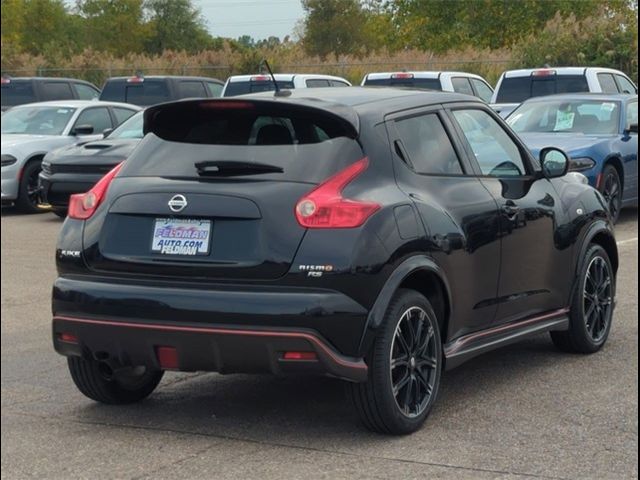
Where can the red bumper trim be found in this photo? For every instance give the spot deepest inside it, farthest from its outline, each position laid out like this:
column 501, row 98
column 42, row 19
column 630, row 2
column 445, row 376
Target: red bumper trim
column 319, row 344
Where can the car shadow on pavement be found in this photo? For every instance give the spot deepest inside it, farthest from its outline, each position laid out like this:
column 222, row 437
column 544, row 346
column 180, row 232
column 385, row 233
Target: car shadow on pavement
column 288, row 409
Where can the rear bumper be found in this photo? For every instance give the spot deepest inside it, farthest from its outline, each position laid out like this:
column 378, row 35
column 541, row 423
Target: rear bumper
column 225, row 329
column 204, row 348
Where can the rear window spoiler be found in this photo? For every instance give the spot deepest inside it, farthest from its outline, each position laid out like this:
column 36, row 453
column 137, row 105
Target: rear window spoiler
column 165, row 119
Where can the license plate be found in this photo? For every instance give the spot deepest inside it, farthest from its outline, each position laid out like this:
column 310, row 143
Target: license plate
column 178, row 236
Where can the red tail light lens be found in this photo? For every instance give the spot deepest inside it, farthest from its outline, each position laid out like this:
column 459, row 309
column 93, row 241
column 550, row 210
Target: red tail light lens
column 83, row 205
column 325, row 207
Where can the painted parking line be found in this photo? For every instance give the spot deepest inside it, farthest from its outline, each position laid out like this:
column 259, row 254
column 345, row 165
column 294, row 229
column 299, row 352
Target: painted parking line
column 627, row 241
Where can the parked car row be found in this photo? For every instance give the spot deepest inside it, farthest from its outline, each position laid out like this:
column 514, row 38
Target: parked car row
column 613, row 171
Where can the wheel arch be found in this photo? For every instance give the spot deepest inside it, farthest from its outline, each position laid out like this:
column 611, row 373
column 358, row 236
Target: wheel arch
column 419, row 273
column 601, row 234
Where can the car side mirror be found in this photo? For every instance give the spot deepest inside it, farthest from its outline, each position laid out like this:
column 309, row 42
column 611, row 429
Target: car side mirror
column 106, row 132
column 82, row 130
column 555, row 163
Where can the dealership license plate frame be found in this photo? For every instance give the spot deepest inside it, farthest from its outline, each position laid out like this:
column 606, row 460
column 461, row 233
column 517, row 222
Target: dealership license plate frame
column 175, row 224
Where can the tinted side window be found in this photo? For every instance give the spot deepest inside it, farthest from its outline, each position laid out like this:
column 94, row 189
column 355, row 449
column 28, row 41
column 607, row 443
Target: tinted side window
column 215, row 89
column 428, row 145
column 462, row 85
column 86, row 92
column 625, row 85
column 483, row 90
column 607, row 83
column 56, row 91
column 122, row 114
column 98, row 118
column 191, row 89
column 317, row 83
column 338, row 83
column 18, row 93
column 496, row 153
column 632, row 114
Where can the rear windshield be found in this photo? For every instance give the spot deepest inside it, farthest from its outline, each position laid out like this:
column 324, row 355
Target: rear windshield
column 147, row 92
column 425, row 83
column 294, row 144
column 518, row 89
column 18, row 92
column 242, row 88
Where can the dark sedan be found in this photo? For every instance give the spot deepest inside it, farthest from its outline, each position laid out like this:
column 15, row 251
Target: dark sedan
column 77, row 168
column 598, row 131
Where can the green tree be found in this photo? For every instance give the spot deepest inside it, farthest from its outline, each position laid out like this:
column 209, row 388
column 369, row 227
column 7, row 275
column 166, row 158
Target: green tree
column 176, row 25
column 115, row 26
column 334, row 27
column 12, row 23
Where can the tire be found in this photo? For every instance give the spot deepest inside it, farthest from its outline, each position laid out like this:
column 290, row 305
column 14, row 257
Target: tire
column 611, row 189
column 375, row 402
column 28, row 196
column 99, row 384
column 591, row 312
column 61, row 213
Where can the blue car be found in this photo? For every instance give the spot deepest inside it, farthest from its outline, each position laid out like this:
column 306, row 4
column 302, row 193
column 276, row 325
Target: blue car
column 599, row 132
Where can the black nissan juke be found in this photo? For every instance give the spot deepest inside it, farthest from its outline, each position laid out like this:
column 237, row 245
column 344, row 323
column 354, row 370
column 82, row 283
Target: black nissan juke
column 380, row 236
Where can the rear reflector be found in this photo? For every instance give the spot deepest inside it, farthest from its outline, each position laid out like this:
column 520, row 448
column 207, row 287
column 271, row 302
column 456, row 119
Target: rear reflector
column 167, row 358
column 325, row 207
column 402, row 75
column 68, row 337
column 300, row 356
column 543, row 73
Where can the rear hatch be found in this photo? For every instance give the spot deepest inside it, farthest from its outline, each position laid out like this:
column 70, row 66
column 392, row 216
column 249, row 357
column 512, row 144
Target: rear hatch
column 210, row 191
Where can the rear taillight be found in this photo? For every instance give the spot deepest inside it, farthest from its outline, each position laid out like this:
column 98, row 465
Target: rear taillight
column 83, row 205
column 325, row 207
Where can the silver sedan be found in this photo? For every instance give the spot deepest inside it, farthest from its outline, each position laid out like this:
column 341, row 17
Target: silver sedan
column 30, row 131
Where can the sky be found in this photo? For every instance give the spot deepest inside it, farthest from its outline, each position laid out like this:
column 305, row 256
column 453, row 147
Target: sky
column 257, row 18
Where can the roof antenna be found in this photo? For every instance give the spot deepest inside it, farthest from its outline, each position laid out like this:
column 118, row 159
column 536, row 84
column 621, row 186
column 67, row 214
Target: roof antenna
column 278, row 92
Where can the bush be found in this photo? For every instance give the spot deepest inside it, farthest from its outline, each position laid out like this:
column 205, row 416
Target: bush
column 606, row 40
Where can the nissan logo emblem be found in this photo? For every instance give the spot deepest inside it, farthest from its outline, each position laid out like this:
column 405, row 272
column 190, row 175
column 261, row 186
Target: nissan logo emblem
column 177, row 203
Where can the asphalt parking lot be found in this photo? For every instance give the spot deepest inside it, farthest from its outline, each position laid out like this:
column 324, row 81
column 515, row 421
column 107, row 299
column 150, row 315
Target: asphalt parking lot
column 523, row 411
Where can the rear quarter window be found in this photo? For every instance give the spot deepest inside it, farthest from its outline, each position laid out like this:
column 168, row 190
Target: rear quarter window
column 56, row 91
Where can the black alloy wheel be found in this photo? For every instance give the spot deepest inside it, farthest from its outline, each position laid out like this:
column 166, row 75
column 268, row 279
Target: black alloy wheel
column 591, row 312
column 611, row 189
column 405, row 365
column 598, row 298
column 29, row 193
column 413, row 362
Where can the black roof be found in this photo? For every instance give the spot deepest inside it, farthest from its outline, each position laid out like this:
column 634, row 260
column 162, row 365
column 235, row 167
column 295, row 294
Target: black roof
column 348, row 104
column 368, row 102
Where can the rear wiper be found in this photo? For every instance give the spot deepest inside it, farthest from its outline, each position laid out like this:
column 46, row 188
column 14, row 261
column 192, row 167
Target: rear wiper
column 231, row 169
